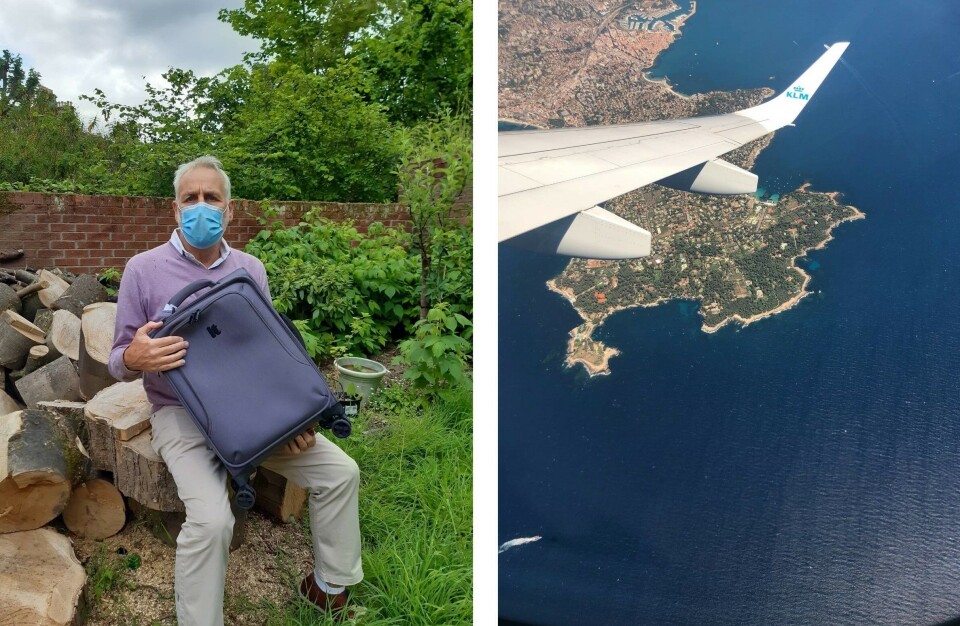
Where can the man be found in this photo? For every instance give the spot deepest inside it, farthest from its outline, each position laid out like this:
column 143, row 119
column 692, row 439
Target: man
column 196, row 250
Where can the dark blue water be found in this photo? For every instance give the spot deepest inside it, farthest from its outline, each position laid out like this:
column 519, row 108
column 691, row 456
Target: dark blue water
column 805, row 469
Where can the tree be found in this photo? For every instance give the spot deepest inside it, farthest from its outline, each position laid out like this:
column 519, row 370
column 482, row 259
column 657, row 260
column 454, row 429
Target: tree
column 436, row 167
column 17, row 88
column 313, row 34
column 422, row 60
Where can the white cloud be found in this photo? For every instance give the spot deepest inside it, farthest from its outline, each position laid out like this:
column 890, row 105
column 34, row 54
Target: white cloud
column 118, row 45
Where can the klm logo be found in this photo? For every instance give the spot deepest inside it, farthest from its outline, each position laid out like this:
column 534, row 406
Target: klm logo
column 797, row 94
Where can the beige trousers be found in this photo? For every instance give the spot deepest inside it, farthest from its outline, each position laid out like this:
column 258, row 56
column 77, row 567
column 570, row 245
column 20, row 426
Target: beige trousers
column 325, row 471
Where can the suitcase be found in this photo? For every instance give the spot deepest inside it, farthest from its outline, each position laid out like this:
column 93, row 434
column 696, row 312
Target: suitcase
column 247, row 381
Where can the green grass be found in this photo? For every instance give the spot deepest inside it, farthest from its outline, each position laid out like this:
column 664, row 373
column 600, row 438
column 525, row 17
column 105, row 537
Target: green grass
column 416, row 515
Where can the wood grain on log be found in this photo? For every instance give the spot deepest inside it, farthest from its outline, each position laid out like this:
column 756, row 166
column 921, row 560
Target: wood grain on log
column 17, row 336
column 10, row 255
column 96, row 510
column 53, row 288
column 118, row 413
column 86, row 289
column 142, row 475
column 34, row 483
column 41, row 580
column 96, row 340
column 64, row 335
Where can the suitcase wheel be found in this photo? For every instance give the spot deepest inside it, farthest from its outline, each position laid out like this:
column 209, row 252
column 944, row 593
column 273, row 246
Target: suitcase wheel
column 246, row 496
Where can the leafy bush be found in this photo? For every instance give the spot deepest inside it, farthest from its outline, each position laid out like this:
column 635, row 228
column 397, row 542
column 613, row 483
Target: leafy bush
column 438, row 354
column 353, row 293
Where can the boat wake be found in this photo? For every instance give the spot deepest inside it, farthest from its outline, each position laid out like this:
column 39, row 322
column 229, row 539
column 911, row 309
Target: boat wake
column 519, row 541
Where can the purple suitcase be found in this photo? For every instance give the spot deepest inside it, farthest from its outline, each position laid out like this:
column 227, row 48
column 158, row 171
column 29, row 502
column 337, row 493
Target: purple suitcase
column 247, row 382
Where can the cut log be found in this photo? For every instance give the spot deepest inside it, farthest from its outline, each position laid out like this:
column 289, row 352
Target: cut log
column 96, row 510
column 54, row 381
column 118, row 413
column 9, row 300
column 36, row 358
column 142, row 475
column 53, row 288
column 278, row 497
column 34, row 483
column 41, row 580
column 7, row 404
column 17, row 336
column 64, row 335
column 86, row 289
column 96, row 340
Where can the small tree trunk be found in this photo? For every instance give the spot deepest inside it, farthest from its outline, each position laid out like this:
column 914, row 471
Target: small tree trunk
column 17, row 336
column 424, row 273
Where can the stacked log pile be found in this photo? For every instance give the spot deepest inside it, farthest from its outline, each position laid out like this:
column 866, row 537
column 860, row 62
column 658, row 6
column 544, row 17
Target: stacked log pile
column 75, row 445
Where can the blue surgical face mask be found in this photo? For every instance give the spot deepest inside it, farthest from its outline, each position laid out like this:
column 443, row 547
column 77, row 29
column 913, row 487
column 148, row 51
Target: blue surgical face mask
column 201, row 224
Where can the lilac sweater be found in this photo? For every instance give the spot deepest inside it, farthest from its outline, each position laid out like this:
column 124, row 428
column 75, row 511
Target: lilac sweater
column 149, row 280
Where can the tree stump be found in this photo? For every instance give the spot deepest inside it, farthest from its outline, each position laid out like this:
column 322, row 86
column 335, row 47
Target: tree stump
column 96, row 340
column 17, row 336
column 55, row 381
column 118, row 413
column 41, row 580
column 143, row 476
column 64, row 335
column 34, row 477
column 95, row 510
column 86, row 289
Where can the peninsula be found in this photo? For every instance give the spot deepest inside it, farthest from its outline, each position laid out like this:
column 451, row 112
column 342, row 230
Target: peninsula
column 583, row 62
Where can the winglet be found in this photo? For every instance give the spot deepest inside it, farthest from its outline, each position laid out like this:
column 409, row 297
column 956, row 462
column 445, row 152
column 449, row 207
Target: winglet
column 785, row 108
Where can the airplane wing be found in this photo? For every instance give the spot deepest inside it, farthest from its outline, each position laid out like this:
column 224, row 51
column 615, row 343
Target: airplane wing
column 550, row 181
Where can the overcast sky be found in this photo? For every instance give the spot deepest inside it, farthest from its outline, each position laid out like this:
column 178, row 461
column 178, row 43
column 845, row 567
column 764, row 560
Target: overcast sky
column 118, row 45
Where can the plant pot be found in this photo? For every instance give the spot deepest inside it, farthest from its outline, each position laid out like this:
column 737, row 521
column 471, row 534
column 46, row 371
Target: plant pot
column 359, row 383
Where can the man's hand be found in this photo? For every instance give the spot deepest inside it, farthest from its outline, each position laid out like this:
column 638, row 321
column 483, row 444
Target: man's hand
column 154, row 355
column 301, row 442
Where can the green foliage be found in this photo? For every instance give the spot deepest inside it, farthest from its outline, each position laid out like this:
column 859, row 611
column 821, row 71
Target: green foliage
column 110, row 278
column 422, row 59
column 311, row 137
column 437, row 356
column 350, row 292
column 314, row 34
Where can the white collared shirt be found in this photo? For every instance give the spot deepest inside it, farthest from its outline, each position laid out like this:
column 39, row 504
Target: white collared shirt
column 224, row 250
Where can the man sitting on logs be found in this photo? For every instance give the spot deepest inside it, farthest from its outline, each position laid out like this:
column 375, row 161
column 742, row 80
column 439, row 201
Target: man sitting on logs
column 196, row 250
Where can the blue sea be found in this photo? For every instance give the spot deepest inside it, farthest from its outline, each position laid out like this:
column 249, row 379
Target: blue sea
column 802, row 470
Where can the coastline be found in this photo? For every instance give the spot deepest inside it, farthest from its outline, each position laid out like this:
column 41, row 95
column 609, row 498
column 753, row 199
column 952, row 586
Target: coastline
column 601, row 365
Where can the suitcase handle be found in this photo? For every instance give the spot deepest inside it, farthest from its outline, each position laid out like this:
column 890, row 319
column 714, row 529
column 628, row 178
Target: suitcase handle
column 182, row 295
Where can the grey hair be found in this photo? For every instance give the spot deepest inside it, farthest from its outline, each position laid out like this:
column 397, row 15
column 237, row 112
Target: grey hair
column 205, row 161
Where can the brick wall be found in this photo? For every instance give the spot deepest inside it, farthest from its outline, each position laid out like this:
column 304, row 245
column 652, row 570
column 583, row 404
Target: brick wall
column 88, row 233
